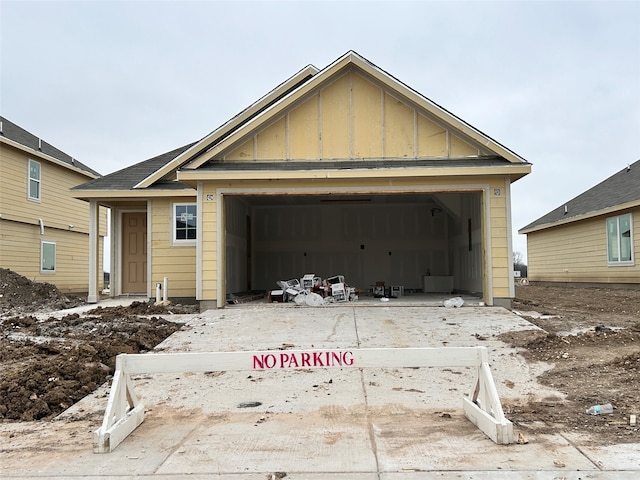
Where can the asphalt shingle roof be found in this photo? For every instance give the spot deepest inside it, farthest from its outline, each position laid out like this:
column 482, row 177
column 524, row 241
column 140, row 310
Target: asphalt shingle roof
column 19, row 135
column 128, row 177
column 622, row 187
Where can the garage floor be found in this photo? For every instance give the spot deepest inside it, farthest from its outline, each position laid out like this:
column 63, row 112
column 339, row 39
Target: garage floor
column 316, row 424
column 409, row 299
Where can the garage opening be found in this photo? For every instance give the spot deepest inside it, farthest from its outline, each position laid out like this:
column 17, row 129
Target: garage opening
column 399, row 239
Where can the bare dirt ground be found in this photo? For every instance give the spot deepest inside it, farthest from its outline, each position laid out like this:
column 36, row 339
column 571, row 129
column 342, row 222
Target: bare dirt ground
column 591, row 336
column 46, row 365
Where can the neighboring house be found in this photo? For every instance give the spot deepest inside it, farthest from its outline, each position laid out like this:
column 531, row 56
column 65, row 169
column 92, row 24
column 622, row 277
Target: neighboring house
column 339, row 171
column 44, row 231
column 592, row 239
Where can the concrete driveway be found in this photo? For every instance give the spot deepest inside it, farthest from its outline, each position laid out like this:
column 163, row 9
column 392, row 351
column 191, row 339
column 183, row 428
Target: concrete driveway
column 367, row 424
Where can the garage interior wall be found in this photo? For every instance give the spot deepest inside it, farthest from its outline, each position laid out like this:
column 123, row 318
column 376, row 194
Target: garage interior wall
column 237, row 232
column 366, row 239
column 466, row 245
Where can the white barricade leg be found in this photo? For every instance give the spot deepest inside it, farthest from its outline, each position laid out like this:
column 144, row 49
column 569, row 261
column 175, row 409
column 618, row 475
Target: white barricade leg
column 123, row 413
column 484, row 408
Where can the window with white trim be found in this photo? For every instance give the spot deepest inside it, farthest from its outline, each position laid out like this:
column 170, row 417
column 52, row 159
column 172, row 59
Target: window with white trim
column 620, row 240
column 185, row 222
column 34, row 180
column 47, row 257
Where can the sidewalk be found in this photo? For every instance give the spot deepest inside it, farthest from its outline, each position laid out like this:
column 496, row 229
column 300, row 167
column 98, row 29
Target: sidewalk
column 391, row 424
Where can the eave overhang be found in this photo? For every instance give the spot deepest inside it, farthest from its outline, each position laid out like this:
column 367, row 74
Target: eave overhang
column 577, row 218
column 514, row 171
column 48, row 158
column 132, row 194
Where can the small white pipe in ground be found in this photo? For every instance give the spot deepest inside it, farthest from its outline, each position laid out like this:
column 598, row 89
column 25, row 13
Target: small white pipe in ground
column 165, row 294
column 158, row 288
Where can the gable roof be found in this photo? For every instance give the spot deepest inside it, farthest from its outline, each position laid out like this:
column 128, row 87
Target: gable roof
column 14, row 135
column 618, row 192
column 157, row 171
column 211, row 146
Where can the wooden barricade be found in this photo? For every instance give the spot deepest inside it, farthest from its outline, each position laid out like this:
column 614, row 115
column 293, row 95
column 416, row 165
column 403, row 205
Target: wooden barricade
column 125, row 412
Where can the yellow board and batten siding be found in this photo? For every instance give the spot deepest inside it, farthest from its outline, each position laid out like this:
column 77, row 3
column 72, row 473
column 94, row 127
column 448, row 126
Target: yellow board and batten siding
column 351, row 118
column 65, row 220
column 304, row 131
column 577, row 252
column 335, row 119
column 367, row 124
column 432, row 138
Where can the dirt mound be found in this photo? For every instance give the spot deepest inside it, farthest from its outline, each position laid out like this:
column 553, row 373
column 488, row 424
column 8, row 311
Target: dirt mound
column 48, row 365
column 142, row 308
column 18, row 294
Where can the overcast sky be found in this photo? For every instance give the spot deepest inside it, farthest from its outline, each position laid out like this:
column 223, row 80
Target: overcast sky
column 113, row 83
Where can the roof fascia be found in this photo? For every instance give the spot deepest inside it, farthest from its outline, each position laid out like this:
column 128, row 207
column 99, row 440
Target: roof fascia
column 578, row 218
column 515, row 170
column 233, row 123
column 46, row 157
column 137, row 194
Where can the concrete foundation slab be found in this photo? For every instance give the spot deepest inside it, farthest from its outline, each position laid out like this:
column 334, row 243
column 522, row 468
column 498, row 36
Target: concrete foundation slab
column 253, row 443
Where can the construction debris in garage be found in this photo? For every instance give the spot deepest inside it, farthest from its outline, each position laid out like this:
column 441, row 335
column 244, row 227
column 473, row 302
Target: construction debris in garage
column 313, row 290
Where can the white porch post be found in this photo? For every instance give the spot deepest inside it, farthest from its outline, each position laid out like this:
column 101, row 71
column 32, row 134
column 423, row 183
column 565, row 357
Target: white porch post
column 93, row 252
